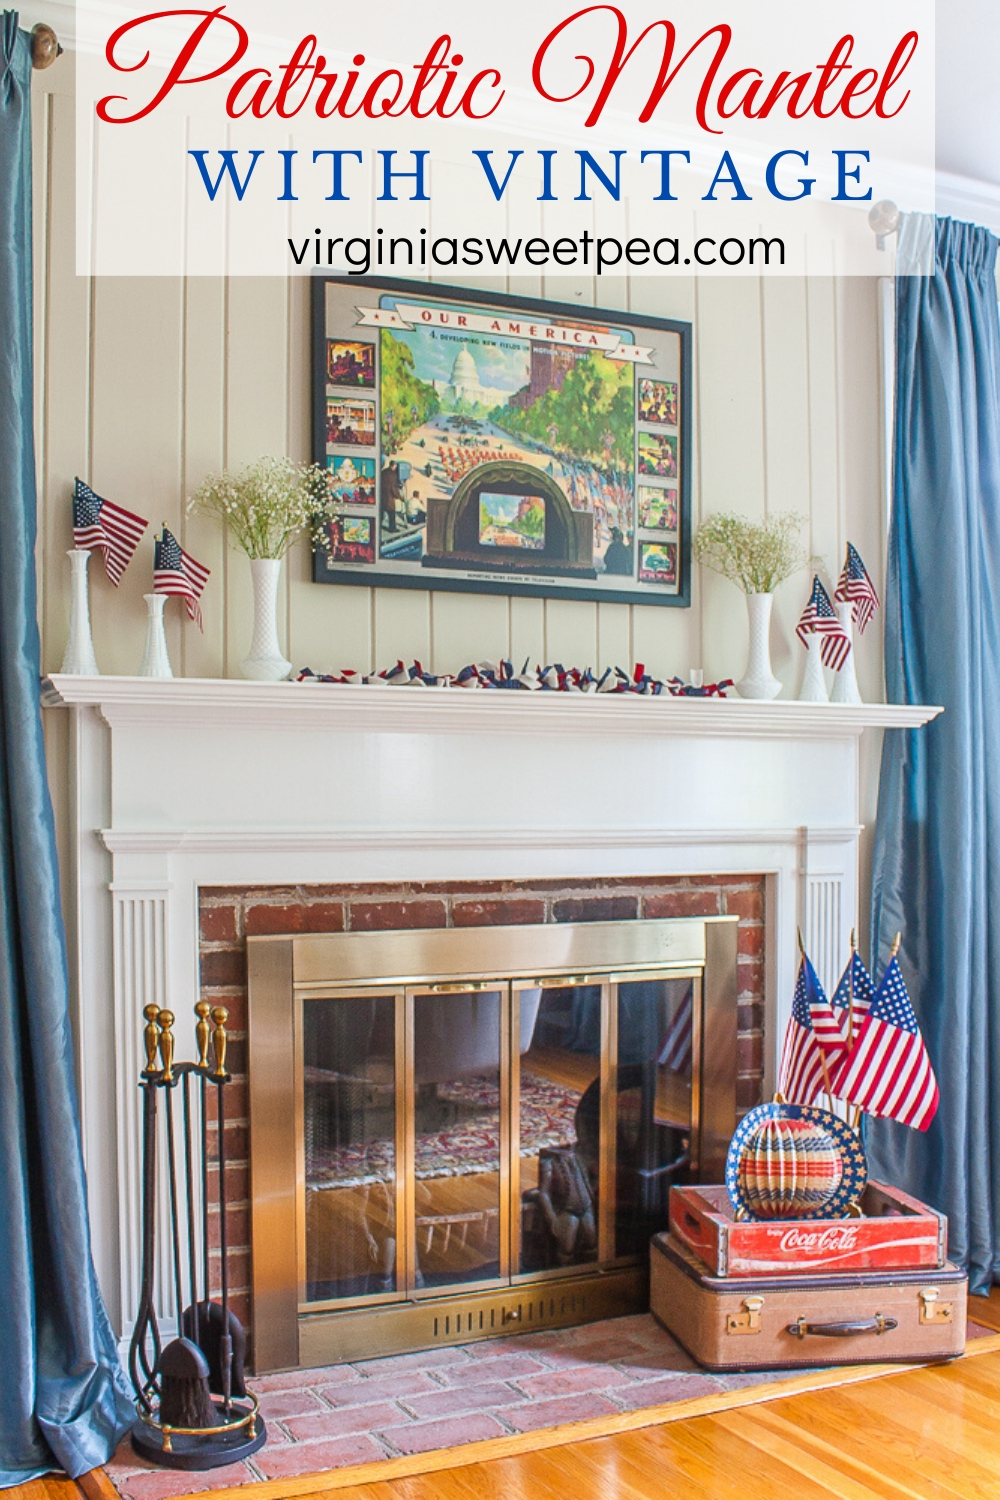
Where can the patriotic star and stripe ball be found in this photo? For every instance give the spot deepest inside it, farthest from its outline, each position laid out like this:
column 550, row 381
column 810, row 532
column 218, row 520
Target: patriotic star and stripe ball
column 177, row 572
column 794, row 1150
column 855, row 585
column 813, row 1041
column 888, row 1072
column 101, row 526
column 820, row 618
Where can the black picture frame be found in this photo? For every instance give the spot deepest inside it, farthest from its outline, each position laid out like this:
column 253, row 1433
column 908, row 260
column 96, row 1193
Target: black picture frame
column 518, row 526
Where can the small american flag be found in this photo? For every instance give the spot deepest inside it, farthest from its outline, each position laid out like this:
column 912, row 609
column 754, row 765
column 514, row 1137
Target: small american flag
column 675, row 1052
column 176, row 572
column 100, row 525
column 854, row 993
column 813, row 1040
column 820, row 617
column 888, row 1072
column 855, row 585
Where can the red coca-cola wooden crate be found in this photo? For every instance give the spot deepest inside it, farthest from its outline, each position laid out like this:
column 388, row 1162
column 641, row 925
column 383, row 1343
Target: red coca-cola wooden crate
column 895, row 1232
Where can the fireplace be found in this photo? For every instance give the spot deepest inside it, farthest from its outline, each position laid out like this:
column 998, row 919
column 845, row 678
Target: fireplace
column 461, row 1133
column 229, row 801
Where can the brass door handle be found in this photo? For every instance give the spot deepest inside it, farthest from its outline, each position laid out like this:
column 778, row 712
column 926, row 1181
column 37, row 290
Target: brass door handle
column 876, row 1325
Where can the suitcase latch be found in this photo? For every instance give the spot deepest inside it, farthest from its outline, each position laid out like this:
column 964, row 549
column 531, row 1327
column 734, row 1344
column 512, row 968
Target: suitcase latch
column 932, row 1310
column 747, row 1321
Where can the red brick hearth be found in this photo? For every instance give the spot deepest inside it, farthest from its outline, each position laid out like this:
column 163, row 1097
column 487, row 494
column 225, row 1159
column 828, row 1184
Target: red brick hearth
column 229, row 915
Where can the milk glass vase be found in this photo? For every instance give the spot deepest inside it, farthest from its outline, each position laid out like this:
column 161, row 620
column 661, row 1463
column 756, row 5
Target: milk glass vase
column 758, row 681
column 79, row 659
column 265, row 507
column 265, row 662
column 756, row 556
column 845, row 687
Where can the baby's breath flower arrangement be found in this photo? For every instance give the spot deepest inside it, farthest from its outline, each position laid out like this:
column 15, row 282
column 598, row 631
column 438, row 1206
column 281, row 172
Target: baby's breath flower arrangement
column 755, row 555
column 266, row 505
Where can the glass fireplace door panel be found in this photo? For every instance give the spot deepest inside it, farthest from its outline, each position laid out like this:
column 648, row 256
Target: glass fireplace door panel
column 458, row 1137
column 350, row 1050
column 656, row 1022
column 559, row 1126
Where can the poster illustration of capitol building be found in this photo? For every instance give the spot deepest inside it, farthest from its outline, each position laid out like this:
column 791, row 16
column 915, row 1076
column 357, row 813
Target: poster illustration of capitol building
column 510, row 447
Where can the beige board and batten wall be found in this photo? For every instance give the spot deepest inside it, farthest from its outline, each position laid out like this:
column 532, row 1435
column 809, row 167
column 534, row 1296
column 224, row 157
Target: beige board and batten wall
column 144, row 385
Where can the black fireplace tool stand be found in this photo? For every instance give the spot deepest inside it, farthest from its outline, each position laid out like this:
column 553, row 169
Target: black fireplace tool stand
column 194, row 1410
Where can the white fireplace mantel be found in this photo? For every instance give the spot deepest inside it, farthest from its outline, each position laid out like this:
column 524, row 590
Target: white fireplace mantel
column 185, row 783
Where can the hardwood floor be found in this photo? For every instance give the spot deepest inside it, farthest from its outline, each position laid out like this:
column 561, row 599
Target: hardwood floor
column 931, row 1433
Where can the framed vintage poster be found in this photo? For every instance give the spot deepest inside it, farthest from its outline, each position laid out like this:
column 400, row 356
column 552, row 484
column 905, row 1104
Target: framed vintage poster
column 486, row 443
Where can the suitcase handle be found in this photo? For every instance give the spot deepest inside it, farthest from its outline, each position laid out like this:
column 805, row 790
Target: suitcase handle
column 876, row 1325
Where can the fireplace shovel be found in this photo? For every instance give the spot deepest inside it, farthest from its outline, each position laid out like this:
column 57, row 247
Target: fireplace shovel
column 215, row 1329
column 207, row 1326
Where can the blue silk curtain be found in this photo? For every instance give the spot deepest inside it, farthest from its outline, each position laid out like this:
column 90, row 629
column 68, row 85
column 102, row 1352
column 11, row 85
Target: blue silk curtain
column 63, row 1398
column 936, row 875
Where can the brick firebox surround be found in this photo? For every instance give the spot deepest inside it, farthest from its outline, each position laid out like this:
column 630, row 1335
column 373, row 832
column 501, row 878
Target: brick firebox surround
column 229, row 915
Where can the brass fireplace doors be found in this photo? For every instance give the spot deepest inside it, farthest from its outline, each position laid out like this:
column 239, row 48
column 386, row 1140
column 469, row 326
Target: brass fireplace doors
column 425, row 1135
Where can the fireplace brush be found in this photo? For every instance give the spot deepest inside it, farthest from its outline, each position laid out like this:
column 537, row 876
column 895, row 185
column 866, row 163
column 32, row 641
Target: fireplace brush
column 179, row 1424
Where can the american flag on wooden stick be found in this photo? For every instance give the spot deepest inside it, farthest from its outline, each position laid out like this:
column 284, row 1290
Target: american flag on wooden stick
column 814, row 1045
column 854, row 584
column 675, row 1051
column 820, row 618
column 854, row 994
column 176, row 572
column 888, row 1071
column 100, row 525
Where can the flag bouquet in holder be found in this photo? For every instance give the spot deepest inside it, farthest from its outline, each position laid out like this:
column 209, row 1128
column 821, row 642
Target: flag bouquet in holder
column 99, row 525
column 795, row 1158
column 865, row 1048
column 855, row 601
column 174, row 572
column 826, row 641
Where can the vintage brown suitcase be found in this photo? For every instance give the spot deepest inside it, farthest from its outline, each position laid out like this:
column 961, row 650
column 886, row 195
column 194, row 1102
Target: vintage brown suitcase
column 789, row 1322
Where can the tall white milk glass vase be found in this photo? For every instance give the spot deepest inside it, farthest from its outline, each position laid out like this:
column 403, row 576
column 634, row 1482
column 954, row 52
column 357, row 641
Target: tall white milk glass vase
column 845, row 685
column 155, row 657
column 79, row 660
column 758, row 680
column 265, row 662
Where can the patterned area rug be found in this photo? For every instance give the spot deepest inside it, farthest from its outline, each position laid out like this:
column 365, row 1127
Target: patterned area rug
column 469, row 1144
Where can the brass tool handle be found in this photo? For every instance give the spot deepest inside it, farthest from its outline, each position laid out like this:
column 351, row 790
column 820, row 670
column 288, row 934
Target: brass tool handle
column 876, row 1325
column 202, row 1031
column 166, row 1021
column 151, row 1036
column 220, row 1016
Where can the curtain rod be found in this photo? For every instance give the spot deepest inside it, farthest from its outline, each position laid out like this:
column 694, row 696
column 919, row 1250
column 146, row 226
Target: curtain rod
column 884, row 219
column 45, row 46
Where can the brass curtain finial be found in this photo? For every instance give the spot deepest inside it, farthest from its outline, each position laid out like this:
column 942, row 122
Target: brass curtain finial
column 166, row 1020
column 220, row 1016
column 202, row 1031
column 151, row 1036
column 45, row 46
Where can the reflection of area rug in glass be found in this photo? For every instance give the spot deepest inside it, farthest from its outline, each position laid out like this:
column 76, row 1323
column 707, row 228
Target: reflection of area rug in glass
column 471, row 1144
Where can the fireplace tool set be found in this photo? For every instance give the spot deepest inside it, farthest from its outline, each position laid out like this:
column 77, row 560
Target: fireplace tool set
column 179, row 1424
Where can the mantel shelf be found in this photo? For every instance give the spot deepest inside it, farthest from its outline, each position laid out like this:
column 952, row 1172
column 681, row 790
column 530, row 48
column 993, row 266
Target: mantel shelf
column 193, row 701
